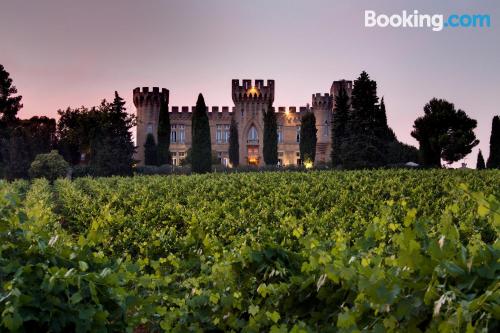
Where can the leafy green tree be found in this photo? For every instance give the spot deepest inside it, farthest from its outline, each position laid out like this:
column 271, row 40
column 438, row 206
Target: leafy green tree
column 201, row 150
column 9, row 104
column 494, row 158
column 50, row 166
column 234, row 147
column 339, row 125
column 270, row 148
column 444, row 133
column 164, row 129
column 308, row 137
column 150, row 151
column 480, row 161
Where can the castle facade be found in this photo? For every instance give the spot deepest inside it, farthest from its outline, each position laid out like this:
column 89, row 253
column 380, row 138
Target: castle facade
column 250, row 100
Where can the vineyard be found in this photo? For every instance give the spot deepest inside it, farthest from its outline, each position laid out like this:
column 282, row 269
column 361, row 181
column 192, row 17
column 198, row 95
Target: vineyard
column 322, row 251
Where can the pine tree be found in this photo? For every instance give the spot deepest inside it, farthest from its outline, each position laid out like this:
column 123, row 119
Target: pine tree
column 150, row 151
column 480, row 161
column 270, row 149
column 9, row 105
column 234, row 147
column 339, row 124
column 111, row 144
column 362, row 147
column 494, row 158
column 308, row 137
column 201, row 151
column 164, row 134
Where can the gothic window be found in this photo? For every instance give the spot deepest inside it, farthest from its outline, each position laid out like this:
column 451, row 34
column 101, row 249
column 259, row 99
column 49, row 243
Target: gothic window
column 298, row 134
column 150, row 128
column 326, row 131
column 252, row 135
column 280, row 134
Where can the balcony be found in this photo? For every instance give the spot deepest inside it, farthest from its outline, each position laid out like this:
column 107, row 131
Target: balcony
column 253, row 141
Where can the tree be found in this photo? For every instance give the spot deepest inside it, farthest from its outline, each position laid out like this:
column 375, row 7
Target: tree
column 444, row 133
column 201, row 150
column 150, row 151
column 494, row 158
column 382, row 129
column 480, row 161
column 50, row 166
column 163, row 147
column 102, row 133
column 270, row 149
column 339, row 125
column 362, row 146
column 234, row 147
column 308, row 137
column 16, row 156
column 112, row 148
column 9, row 105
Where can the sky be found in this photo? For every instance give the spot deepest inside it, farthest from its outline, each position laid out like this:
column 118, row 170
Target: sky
column 64, row 53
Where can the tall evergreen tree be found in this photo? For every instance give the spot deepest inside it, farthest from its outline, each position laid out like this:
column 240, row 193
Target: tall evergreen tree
column 494, row 158
column 339, row 125
column 164, row 134
column 480, row 161
column 444, row 133
column 150, row 151
column 112, row 148
column 201, row 150
column 308, row 137
column 9, row 104
column 270, row 149
column 362, row 147
column 382, row 129
column 234, row 147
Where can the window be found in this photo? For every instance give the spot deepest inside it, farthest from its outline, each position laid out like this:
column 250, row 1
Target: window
column 326, row 132
column 280, row 134
column 252, row 135
column 150, row 128
column 182, row 134
column 226, row 133
column 298, row 134
column 173, row 133
column 218, row 134
column 219, row 156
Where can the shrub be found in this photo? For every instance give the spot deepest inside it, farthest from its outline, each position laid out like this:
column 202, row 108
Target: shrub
column 50, row 166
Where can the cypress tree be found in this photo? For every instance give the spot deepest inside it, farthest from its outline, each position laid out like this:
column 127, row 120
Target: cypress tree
column 480, row 161
column 150, row 151
column 163, row 147
column 201, row 151
column 494, row 158
column 234, row 147
column 382, row 129
column 308, row 137
column 270, row 149
column 339, row 124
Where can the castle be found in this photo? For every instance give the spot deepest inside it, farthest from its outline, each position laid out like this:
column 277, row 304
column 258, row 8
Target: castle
column 250, row 100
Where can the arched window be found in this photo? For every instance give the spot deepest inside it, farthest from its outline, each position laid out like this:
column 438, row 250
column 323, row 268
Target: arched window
column 252, row 135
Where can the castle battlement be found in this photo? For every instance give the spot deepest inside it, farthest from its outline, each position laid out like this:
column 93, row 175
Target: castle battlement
column 146, row 97
column 190, row 109
column 337, row 85
column 258, row 92
column 324, row 101
column 292, row 109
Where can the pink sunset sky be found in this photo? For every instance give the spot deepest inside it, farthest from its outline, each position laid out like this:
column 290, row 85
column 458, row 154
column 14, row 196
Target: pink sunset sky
column 72, row 53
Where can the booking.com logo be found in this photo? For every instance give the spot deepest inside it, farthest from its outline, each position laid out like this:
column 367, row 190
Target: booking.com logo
column 436, row 22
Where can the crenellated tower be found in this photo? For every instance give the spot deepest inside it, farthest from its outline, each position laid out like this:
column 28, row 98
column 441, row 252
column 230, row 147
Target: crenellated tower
column 250, row 100
column 147, row 103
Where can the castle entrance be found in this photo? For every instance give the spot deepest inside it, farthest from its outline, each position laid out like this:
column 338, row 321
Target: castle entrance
column 253, row 155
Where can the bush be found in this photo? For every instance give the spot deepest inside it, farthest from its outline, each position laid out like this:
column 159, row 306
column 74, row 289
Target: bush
column 50, row 166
